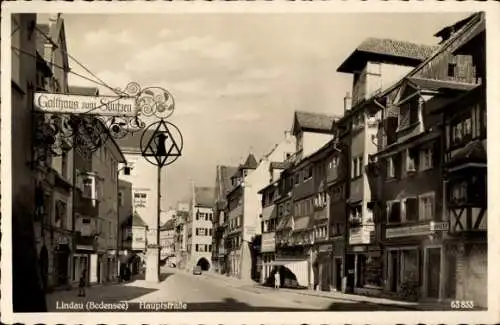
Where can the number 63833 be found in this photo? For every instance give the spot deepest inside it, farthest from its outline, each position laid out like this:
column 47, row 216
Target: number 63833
column 462, row 304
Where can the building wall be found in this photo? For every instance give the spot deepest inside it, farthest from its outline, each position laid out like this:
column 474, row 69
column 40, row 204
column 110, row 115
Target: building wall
column 105, row 164
column 143, row 177
column 312, row 142
column 198, row 239
column 22, row 189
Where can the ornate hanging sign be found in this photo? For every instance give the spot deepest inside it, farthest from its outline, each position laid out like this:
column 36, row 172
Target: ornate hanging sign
column 161, row 143
column 65, row 121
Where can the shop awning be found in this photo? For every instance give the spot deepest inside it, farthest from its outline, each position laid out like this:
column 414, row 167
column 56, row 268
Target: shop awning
column 269, row 212
column 301, row 223
column 287, row 262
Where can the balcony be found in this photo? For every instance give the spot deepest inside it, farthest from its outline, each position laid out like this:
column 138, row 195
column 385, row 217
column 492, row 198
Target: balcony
column 86, row 206
column 362, row 235
column 426, row 228
column 86, row 242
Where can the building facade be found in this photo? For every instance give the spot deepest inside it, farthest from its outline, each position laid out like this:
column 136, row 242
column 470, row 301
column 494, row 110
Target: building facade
column 199, row 235
column 55, row 186
column 222, row 187
column 433, row 227
column 167, row 240
column 376, row 64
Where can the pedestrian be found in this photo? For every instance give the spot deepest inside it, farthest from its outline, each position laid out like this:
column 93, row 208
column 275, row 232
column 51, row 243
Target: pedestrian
column 83, row 282
column 277, row 280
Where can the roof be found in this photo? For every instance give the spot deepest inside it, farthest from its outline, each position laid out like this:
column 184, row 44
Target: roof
column 277, row 165
column 204, row 196
column 132, row 141
column 447, row 31
column 386, row 50
column 135, row 220
column 439, row 85
column 84, row 91
column 224, row 174
column 459, row 37
column 168, row 225
column 315, row 122
column 250, row 163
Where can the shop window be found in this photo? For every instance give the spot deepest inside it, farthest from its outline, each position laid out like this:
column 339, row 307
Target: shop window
column 409, row 265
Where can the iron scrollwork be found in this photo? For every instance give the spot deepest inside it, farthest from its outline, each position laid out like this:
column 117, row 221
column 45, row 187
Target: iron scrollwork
column 55, row 133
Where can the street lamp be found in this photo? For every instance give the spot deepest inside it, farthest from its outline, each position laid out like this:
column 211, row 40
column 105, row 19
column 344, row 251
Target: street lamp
column 161, row 148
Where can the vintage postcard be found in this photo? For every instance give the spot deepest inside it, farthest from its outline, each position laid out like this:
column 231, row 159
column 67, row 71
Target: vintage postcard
column 249, row 162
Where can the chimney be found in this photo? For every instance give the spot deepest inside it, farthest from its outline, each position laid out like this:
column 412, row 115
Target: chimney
column 347, row 102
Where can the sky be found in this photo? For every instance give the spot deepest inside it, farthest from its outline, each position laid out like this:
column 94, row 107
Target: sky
column 236, row 78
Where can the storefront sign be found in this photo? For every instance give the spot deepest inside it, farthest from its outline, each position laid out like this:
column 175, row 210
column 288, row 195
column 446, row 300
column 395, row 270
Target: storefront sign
column 419, row 230
column 439, row 226
column 268, row 242
column 95, row 105
column 325, row 248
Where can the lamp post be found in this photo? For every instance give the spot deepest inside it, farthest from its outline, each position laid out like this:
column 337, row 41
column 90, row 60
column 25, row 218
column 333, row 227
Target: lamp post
column 160, row 147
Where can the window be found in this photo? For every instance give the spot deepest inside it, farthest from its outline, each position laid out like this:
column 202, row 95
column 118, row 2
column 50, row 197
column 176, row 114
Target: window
column 394, row 212
column 451, row 69
column 196, row 248
column 391, row 171
column 461, row 131
column 410, row 161
column 64, row 165
column 458, row 192
column 411, row 209
column 426, row 157
column 140, row 199
column 197, row 216
column 297, row 178
column 426, row 209
column 333, row 163
column 120, row 199
column 357, row 167
column 308, row 173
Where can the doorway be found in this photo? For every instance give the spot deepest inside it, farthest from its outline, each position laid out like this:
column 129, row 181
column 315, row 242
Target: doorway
column 350, row 272
column 433, row 271
column 394, row 265
column 338, row 274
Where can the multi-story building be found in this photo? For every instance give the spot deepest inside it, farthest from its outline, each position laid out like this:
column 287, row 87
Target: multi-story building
column 296, row 209
column 55, row 229
column 222, row 187
column 86, row 211
column 269, row 220
column 25, row 251
column 134, row 242
column 375, row 64
column 417, row 146
column 199, row 235
column 465, row 167
column 145, row 193
column 233, row 223
column 105, row 176
column 180, row 236
column 167, row 239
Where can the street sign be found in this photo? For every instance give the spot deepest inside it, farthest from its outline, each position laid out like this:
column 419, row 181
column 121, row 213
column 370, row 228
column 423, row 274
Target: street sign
column 76, row 104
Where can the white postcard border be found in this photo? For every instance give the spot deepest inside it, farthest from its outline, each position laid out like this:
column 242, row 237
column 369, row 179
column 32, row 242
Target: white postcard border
column 381, row 317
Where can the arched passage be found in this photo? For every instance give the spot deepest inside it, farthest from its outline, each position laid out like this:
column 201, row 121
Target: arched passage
column 204, row 264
